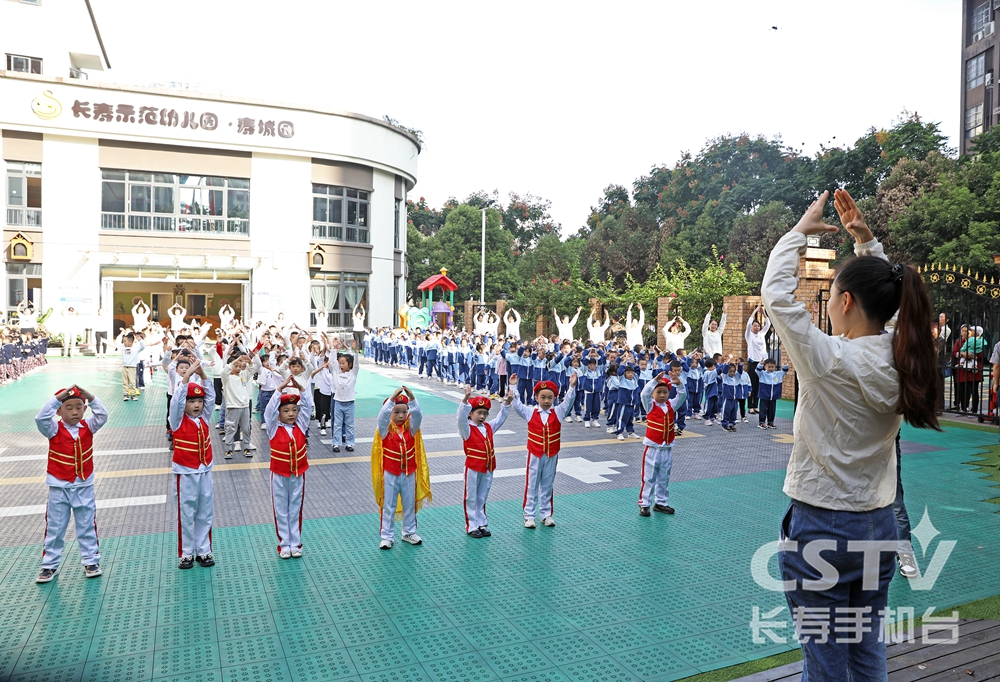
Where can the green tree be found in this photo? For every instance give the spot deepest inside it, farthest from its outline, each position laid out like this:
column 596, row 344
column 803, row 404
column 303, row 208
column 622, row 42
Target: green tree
column 754, row 236
column 456, row 246
column 424, row 218
column 623, row 239
column 419, row 252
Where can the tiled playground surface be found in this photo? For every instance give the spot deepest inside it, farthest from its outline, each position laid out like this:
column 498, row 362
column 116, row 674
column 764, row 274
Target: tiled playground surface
column 605, row 595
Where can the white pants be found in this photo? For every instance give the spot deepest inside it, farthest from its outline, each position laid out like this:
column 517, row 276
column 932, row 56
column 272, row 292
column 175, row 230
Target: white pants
column 538, row 479
column 477, row 488
column 80, row 502
column 195, row 512
column 656, row 463
column 406, row 488
column 286, row 501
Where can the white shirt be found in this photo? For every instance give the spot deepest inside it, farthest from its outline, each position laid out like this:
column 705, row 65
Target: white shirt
column 674, row 342
column 844, row 453
column 344, row 382
column 756, row 348
column 712, row 341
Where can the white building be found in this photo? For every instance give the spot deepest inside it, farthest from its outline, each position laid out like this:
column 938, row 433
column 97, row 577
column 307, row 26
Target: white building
column 115, row 193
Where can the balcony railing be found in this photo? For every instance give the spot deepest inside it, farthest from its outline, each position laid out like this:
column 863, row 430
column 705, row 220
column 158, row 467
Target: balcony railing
column 336, row 232
column 24, row 217
column 153, row 223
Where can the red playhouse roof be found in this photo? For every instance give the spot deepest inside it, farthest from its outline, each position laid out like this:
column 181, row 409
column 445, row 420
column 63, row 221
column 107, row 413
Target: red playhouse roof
column 438, row 281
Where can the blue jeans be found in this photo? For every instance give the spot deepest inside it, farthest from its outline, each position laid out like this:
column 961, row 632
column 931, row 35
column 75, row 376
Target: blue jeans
column 263, row 398
column 899, row 508
column 343, row 423
column 837, row 661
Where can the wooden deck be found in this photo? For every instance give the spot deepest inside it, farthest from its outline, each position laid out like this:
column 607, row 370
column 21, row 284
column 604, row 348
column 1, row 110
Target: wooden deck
column 974, row 658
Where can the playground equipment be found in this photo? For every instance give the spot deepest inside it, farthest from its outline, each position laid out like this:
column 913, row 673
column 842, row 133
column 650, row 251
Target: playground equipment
column 439, row 312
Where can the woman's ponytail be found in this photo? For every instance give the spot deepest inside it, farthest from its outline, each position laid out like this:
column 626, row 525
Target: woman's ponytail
column 883, row 289
column 914, row 352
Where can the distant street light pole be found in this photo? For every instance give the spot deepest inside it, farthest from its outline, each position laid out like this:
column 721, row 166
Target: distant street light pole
column 482, row 262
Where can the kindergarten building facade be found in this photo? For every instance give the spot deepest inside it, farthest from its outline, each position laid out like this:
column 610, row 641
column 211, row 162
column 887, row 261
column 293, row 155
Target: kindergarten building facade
column 115, row 193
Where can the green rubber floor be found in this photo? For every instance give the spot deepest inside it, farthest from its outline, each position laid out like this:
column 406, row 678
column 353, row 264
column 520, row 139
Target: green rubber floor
column 606, row 595
column 104, row 377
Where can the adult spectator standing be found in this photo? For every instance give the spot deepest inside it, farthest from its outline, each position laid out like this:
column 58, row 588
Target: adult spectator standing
column 995, row 360
column 944, row 331
column 711, row 333
column 358, row 316
column 756, row 351
column 970, row 362
column 941, row 354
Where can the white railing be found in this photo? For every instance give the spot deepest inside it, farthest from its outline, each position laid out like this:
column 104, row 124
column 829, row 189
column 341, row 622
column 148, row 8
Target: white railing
column 153, row 223
column 24, row 217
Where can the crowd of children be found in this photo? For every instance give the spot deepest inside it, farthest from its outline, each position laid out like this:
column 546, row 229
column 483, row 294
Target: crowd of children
column 301, row 376
column 20, row 353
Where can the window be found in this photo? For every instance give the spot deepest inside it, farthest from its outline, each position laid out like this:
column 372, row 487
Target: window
column 337, row 293
column 165, row 202
column 24, row 194
column 973, row 121
column 975, row 70
column 340, row 214
column 16, row 62
column 395, row 227
column 980, row 17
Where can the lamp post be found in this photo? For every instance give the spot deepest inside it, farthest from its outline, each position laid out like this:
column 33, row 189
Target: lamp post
column 482, row 261
column 996, row 259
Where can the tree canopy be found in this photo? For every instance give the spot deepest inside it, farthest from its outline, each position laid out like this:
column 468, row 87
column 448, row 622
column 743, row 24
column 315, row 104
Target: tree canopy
column 705, row 227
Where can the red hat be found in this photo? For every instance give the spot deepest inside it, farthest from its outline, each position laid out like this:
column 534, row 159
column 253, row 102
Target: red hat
column 401, row 399
column 289, row 398
column 480, row 402
column 550, row 385
column 72, row 392
column 664, row 381
column 195, row 391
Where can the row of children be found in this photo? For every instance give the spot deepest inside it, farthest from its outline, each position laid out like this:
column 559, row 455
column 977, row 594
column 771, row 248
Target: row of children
column 401, row 481
column 20, row 353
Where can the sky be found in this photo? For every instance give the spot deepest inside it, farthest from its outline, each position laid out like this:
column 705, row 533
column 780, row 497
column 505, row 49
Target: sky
column 561, row 99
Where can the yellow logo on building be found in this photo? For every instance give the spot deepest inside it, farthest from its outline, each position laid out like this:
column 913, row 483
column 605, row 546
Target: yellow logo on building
column 46, row 106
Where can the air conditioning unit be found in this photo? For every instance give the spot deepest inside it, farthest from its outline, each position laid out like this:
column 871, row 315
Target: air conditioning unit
column 988, row 28
column 977, row 36
column 989, row 78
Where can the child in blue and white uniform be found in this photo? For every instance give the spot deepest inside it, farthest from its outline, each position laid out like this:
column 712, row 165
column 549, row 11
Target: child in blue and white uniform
column 710, row 380
column 769, row 391
column 732, row 375
column 628, row 396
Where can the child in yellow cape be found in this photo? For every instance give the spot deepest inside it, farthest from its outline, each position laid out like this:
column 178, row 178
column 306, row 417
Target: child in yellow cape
column 399, row 466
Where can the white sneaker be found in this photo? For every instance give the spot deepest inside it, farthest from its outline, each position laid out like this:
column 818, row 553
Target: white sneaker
column 285, row 554
column 296, row 553
column 385, row 544
column 621, row 436
column 412, row 538
column 322, row 432
column 586, row 424
column 745, row 420
column 263, row 426
column 569, row 420
column 634, row 435
column 547, row 521
column 907, row 565
column 610, row 429
column 579, row 418
column 709, row 422
column 529, row 523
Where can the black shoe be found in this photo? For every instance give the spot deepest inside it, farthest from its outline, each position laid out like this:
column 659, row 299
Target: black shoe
column 663, row 508
column 205, row 560
column 485, row 531
column 643, row 511
column 186, row 562
column 229, row 454
column 349, row 448
column 336, row 448
column 475, row 533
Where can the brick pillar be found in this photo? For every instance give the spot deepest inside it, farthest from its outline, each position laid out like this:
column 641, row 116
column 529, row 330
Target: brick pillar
column 467, row 317
column 737, row 310
column 663, row 308
column 541, row 323
column 501, row 306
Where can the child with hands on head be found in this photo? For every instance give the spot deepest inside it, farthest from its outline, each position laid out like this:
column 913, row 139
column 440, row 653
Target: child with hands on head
column 69, row 474
column 286, row 418
column 657, row 456
column 399, row 466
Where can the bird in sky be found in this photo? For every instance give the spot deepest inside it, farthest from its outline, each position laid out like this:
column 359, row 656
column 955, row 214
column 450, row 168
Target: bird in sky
column 774, row 28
